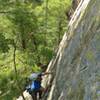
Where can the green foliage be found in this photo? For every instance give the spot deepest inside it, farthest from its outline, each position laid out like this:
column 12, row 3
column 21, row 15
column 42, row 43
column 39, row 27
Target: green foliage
column 3, row 43
column 36, row 27
column 46, row 53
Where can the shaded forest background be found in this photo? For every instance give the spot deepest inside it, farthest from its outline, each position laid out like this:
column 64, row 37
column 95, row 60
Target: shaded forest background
column 30, row 32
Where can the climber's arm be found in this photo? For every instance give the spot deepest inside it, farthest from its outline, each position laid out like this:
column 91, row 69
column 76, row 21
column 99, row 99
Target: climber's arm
column 46, row 73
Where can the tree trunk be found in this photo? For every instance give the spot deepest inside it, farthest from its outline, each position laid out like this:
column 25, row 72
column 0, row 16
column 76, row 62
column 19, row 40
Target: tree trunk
column 23, row 43
column 17, row 81
column 59, row 30
column 46, row 20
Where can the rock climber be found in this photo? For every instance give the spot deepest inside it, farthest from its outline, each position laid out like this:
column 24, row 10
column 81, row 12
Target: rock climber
column 34, row 88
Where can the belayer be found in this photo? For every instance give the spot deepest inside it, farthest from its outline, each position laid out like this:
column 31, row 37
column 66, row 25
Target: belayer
column 34, row 88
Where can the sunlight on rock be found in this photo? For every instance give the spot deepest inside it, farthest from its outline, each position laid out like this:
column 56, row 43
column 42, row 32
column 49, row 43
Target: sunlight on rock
column 26, row 95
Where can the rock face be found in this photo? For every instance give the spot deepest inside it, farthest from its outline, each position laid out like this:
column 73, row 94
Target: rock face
column 77, row 64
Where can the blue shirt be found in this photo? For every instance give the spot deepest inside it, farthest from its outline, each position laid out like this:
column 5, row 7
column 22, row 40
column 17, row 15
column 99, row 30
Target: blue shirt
column 36, row 85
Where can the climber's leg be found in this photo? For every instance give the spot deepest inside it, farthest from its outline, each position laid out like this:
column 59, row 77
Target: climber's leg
column 41, row 92
column 34, row 95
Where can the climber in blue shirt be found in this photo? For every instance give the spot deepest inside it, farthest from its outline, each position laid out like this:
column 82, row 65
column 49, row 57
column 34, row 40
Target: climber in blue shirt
column 35, row 87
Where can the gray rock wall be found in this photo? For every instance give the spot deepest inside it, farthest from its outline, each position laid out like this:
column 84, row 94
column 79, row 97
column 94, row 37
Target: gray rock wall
column 77, row 64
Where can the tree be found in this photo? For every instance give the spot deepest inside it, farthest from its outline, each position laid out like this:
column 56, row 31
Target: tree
column 37, row 26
